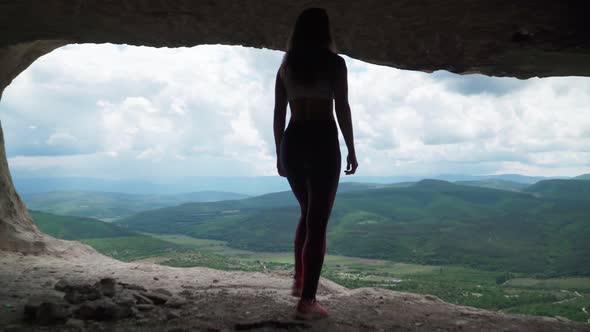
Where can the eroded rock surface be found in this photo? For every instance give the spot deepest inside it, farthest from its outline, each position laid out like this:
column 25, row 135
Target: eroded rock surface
column 202, row 299
column 17, row 232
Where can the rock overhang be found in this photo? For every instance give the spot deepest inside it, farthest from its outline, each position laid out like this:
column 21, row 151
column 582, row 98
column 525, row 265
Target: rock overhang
column 498, row 37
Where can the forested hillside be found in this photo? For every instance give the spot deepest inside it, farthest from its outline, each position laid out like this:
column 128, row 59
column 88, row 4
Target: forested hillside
column 430, row 222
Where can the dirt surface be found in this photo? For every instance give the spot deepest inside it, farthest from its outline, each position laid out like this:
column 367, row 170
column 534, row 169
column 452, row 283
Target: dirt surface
column 228, row 301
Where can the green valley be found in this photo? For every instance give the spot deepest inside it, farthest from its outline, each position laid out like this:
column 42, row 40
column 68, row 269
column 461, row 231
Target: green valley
column 106, row 238
column 109, row 205
column 430, row 222
column 75, row 228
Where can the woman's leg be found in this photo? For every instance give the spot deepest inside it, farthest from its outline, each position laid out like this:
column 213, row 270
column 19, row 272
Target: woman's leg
column 299, row 186
column 322, row 192
column 293, row 159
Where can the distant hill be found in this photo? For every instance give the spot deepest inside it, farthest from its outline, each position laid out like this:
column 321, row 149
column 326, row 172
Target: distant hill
column 107, row 238
column 507, row 177
column 200, row 196
column 226, row 208
column 254, row 185
column 561, row 189
column 76, row 228
column 249, row 185
column 104, row 205
column 582, row 177
column 514, row 178
column 108, row 205
column 495, row 184
column 429, row 222
column 351, row 186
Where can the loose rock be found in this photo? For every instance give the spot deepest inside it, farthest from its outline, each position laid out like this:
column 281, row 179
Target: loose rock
column 145, row 307
column 107, row 286
column 157, row 298
column 46, row 310
column 172, row 315
column 103, row 309
column 103, row 300
column 76, row 323
column 125, row 298
column 78, row 292
column 176, row 302
column 163, row 291
column 142, row 299
column 132, row 286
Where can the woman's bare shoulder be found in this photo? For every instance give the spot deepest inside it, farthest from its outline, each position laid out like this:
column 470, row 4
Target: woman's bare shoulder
column 337, row 57
column 337, row 62
column 339, row 65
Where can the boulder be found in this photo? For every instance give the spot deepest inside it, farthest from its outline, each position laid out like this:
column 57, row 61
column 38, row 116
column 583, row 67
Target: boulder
column 141, row 299
column 46, row 309
column 176, row 302
column 102, row 309
column 156, row 297
column 107, row 286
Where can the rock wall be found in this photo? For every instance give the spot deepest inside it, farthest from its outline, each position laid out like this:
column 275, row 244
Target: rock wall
column 17, row 232
column 494, row 37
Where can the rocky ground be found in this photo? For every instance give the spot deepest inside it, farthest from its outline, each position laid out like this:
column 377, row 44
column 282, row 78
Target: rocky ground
column 80, row 290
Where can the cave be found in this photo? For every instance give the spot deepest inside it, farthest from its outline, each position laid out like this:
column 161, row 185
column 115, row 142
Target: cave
column 537, row 38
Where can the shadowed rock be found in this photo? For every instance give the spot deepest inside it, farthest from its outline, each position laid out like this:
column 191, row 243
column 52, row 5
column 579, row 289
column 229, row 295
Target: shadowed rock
column 102, row 309
column 46, row 310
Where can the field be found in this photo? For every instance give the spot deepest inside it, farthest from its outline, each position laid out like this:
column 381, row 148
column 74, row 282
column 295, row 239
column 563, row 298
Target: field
column 131, row 248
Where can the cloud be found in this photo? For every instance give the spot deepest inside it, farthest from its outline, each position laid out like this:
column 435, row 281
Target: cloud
column 477, row 84
column 61, row 139
column 89, row 110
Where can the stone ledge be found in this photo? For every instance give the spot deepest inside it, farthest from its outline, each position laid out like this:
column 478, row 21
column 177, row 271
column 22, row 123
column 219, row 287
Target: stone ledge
column 226, row 301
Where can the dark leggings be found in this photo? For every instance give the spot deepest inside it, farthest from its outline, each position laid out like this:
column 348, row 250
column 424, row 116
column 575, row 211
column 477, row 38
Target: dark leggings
column 310, row 155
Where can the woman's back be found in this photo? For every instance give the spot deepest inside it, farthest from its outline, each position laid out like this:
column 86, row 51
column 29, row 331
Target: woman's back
column 321, row 88
column 309, row 81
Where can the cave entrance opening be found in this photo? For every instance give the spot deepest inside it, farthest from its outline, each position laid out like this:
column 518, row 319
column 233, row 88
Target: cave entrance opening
column 110, row 124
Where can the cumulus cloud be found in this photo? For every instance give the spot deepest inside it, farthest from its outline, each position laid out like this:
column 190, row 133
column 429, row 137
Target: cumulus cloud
column 89, row 110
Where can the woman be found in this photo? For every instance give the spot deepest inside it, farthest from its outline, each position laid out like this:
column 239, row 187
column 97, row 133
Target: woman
column 308, row 152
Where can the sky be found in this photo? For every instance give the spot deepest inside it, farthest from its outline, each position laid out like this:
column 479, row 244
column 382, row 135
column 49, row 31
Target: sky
column 118, row 111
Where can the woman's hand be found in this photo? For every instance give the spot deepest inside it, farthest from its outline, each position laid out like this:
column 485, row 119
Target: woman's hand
column 280, row 168
column 351, row 164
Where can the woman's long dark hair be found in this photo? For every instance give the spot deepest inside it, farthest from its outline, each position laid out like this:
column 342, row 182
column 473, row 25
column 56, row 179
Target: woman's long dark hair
column 310, row 47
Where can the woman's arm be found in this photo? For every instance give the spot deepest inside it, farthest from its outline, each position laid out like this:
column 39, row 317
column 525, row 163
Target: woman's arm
column 280, row 113
column 343, row 114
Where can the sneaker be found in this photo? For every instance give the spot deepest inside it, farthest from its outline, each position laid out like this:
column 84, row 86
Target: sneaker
column 310, row 310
